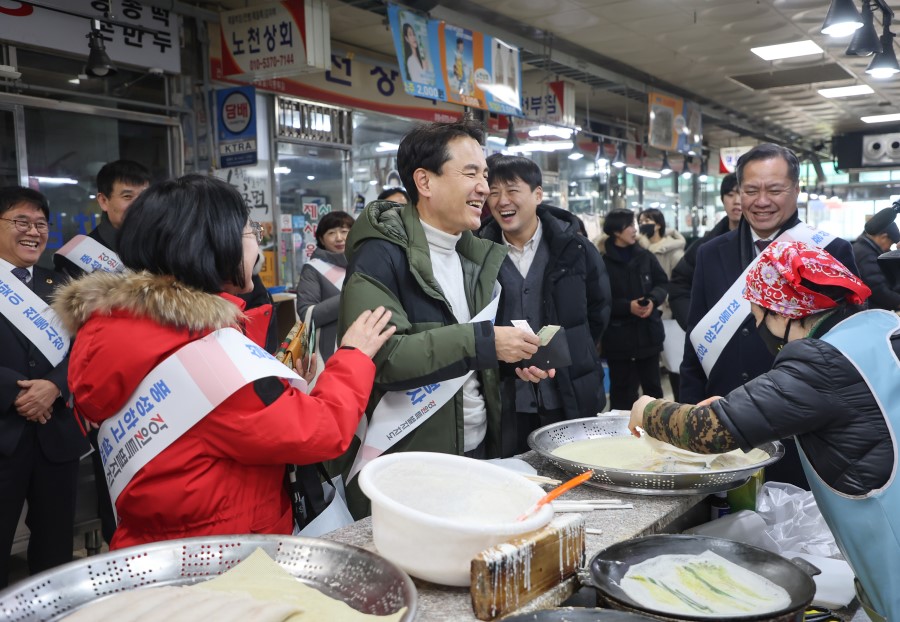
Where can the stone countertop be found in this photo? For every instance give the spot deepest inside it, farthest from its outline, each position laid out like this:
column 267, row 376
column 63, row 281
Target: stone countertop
column 651, row 514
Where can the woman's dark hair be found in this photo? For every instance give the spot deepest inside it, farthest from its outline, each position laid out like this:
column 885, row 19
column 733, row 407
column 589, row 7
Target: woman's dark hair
column 189, row 228
column 617, row 220
column 656, row 216
column 392, row 191
column 407, row 48
column 332, row 220
column 426, row 146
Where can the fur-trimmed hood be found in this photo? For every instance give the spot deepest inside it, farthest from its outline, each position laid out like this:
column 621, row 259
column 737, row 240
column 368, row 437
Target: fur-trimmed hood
column 161, row 298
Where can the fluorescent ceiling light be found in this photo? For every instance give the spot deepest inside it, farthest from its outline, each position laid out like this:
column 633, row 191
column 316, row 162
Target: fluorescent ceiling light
column 383, row 146
column 282, row 170
column 57, row 181
column 787, row 50
column 545, row 146
column 576, row 155
column 550, row 130
column 881, row 118
column 643, row 172
column 847, row 91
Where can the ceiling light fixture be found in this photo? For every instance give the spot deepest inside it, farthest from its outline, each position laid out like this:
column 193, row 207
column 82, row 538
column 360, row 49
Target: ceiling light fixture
column 787, row 50
column 847, row 91
column 842, row 20
column 619, row 159
column 704, row 175
column 884, row 64
column 511, row 139
column 602, row 159
column 881, row 118
column 99, row 65
column 643, row 172
column 686, row 168
column 865, row 41
column 665, row 169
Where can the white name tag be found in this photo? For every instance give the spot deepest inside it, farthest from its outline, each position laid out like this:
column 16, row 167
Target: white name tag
column 177, row 394
column 32, row 316
column 400, row 412
column 719, row 325
column 90, row 255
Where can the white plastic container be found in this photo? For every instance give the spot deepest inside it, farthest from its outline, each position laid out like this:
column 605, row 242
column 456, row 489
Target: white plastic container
column 432, row 513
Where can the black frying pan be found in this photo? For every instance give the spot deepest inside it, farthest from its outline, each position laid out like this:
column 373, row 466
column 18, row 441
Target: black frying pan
column 610, row 565
column 577, row 614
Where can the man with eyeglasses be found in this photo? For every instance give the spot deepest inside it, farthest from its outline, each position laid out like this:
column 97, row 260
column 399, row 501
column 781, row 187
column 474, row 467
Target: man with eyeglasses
column 723, row 349
column 119, row 183
column 40, row 443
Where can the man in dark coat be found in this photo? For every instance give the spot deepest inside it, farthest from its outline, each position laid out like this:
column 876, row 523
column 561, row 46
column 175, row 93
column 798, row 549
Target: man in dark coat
column 40, row 442
column 683, row 273
column 552, row 275
column 768, row 179
column 635, row 336
column 879, row 234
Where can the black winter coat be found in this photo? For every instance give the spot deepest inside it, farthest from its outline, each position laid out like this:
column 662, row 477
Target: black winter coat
column 683, row 275
column 629, row 336
column 883, row 296
column 577, row 297
column 815, row 392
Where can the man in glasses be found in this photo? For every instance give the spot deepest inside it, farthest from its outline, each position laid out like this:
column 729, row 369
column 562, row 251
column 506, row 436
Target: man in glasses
column 119, row 183
column 723, row 349
column 40, row 443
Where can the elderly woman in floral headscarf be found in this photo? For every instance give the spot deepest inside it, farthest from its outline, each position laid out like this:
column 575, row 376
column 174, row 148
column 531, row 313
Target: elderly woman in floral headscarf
column 835, row 387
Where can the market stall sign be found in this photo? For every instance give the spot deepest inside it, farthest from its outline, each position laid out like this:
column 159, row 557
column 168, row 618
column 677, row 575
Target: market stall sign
column 675, row 124
column 236, row 112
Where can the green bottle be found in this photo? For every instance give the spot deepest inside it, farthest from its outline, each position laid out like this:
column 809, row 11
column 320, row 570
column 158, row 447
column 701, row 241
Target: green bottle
column 744, row 497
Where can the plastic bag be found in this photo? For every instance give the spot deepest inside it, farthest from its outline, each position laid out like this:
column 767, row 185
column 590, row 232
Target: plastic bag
column 793, row 520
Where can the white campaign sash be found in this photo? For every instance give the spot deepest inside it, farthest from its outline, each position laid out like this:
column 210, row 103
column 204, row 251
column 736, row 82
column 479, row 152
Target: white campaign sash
column 177, row 394
column 718, row 326
column 400, row 412
column 32, row 317
column 334, row 274
column 90, row 255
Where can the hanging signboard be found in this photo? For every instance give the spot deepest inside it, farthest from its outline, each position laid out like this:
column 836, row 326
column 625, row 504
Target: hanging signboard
column 549, row 102
column 236, row 112
column 278, row 39
column 143, row 36
column 675, row 124
column 728, row 157
column 448, row 63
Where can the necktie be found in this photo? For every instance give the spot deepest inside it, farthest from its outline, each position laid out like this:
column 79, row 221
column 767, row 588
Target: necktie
column 21, row 274
column 762, row 244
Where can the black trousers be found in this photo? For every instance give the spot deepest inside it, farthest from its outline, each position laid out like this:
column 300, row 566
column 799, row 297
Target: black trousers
column 49, row 487
column 517, row 426
column 625, row 375
column 104, row 503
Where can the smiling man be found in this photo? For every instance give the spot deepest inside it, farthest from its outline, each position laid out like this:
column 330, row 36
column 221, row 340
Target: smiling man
column 552, row 275
column 39, row 440
column 768, row 182
column 436, row 386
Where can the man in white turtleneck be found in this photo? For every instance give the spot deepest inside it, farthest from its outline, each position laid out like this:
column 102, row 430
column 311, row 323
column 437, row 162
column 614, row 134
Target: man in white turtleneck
column 423, row 262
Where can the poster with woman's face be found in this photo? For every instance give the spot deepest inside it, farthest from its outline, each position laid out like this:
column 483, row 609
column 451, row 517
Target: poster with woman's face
column 417, row 51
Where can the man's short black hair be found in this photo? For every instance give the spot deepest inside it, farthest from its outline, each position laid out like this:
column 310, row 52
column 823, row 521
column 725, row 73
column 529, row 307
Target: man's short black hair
column 729, row 183
column 122, row 171
column 617, row 220
column 426, row 147
column 11, row 196
column 506, row 168
column 332, row 220
column 189, row 228
column 768, row 151
column 392, row 191
column 656, row 216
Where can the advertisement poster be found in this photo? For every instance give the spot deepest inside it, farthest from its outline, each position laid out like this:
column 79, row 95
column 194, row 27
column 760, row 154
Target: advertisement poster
column 452, row 64
column 236, row 111
column 675, row 124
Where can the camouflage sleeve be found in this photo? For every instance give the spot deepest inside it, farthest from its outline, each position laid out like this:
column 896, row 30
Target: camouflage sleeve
column 695, row 428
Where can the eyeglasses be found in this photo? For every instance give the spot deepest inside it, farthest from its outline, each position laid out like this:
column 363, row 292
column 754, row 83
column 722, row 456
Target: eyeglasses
column 24, row 226
column 257, row 231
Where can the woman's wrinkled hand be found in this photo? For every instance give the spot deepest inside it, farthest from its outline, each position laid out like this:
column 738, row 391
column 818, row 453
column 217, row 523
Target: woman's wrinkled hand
column 368, row 333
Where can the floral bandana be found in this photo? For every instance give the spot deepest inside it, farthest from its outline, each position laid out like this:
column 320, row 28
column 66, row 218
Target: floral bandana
column 774, row 283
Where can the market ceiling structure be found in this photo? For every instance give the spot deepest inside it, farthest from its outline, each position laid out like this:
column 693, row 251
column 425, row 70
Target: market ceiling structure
column 616, row 51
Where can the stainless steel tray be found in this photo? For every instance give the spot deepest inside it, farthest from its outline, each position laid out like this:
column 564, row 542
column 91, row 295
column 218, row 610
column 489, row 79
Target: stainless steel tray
column 548, row 438
column 360, row 578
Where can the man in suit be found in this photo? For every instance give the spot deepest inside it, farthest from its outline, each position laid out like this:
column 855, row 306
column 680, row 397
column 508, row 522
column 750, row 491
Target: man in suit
column 40, row 442
column 768, row 181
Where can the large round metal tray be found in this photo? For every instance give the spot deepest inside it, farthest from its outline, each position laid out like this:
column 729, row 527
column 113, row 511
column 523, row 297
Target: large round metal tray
column 545, row 440
column 360, row 578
